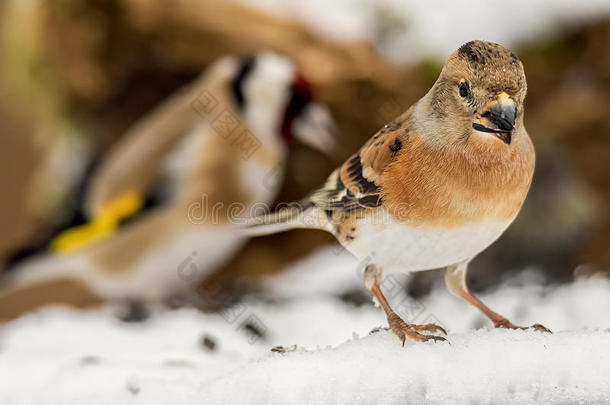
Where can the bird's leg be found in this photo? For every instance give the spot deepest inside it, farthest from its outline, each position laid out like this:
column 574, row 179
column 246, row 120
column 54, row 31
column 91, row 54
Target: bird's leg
column 372, row 280
column 455, row 279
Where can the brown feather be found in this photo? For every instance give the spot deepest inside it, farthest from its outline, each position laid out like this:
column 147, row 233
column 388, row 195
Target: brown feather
column 214, row 175
column 425, row 184
column 356, row 184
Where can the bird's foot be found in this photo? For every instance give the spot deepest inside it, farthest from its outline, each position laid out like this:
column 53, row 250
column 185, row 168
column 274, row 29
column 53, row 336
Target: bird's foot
column 429, row 327
column 506, row 324
column 405, row 330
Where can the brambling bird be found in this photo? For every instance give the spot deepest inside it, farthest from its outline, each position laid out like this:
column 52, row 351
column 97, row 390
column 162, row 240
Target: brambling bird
column 160, row 203
column 434, row 187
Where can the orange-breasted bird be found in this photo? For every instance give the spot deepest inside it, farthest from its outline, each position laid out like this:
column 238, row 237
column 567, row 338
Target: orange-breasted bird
column 434, row 187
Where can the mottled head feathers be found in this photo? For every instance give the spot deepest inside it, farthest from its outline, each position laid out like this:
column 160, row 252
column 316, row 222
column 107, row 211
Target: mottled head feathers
column 474, row 76
column 489, row 66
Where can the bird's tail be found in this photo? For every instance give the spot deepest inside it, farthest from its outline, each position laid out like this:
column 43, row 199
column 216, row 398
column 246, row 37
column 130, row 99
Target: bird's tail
column 302, row 214
column 39, row 268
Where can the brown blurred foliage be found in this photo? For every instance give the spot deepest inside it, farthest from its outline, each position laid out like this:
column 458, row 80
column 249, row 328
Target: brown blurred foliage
column 568, row 102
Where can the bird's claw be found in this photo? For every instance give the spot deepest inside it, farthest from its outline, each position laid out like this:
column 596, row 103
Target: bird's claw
column 430, row 327
column 540, row 328
column 506, row 324
column 404, row 330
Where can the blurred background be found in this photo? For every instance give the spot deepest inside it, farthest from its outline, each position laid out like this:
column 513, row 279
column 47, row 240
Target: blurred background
column 75, row 75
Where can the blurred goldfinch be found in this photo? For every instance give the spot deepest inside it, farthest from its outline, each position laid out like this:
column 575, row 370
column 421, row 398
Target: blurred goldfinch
column 434, row 187
column 160, row 203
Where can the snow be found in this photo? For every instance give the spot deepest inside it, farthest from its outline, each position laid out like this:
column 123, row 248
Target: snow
column 498, row 367
column 408, row 30
column 63, row 356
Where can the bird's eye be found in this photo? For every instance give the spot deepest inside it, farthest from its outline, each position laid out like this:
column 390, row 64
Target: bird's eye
column 464, row 89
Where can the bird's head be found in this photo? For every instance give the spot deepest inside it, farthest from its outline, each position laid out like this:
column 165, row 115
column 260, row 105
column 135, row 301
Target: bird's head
column 479, row 95
column 279, row 104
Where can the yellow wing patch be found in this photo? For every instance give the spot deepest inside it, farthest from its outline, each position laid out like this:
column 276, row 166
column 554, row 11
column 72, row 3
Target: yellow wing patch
column 104, row 223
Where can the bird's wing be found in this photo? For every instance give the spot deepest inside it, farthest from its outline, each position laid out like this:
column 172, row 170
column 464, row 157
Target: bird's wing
column 134, row 177
column 357, row 184
column 134, row 164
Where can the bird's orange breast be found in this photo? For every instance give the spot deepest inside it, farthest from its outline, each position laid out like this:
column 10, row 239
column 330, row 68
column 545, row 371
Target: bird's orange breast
column 452, row 186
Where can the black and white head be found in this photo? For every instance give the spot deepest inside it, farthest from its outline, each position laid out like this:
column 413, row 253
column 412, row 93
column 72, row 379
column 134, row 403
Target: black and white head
column 278, row 103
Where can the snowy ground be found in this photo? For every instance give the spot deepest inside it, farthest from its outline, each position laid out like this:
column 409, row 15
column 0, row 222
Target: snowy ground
column 59, row 356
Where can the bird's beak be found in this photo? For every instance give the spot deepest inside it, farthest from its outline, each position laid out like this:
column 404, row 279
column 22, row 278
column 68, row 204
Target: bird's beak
column 316, row 128
column 498, row 118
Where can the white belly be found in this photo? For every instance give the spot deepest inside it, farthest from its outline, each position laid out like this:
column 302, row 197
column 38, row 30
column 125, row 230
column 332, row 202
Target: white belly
column 180, row 264
column 398, row 247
